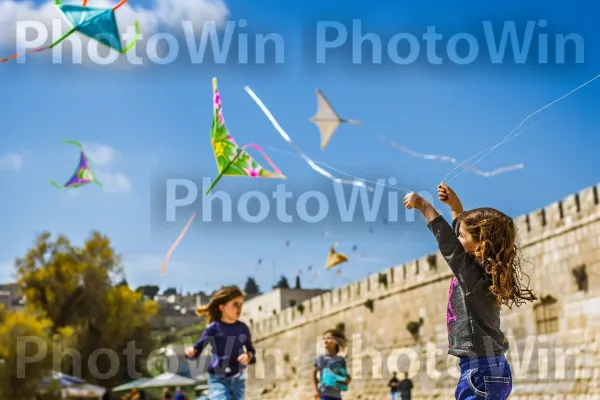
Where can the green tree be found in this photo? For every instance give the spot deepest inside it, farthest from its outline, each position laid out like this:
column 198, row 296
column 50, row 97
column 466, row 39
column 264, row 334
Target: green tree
column 170, row 291
column 25, row 353
column 282, row 284
column 78, row 290
column 298, row 286
column 149, row 290
column 251, row 286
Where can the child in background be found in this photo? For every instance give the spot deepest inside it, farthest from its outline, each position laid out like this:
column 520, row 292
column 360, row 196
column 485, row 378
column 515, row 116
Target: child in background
column 334, row 340
column 231, row 343
column 480, row 248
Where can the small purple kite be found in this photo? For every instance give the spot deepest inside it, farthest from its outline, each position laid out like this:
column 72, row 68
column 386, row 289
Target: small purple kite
column 83, row 173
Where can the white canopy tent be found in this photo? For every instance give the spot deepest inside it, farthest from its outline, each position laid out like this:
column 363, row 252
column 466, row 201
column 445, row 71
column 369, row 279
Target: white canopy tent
column 168, row 379
column 84, row 390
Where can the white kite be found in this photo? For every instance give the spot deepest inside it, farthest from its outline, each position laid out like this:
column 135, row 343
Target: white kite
column 327, row 119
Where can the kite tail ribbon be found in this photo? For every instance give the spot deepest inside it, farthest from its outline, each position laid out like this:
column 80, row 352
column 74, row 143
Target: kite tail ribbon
column 138, row 35
column 308, row 160
column 17, row 55
column 73, row 142
column 350, row 121
column 120, row 4
column 56, row 185
column 176, row 243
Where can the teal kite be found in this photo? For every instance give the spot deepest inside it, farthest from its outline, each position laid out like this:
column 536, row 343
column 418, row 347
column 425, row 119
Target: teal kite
column 97, row 23
column 83, row 173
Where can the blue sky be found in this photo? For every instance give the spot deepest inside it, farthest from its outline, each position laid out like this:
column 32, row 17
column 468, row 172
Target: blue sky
column 146, row 123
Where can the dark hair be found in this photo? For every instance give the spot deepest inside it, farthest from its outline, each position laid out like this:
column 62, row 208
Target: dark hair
column 222, row 296
column 497, row 253
column 340, row 337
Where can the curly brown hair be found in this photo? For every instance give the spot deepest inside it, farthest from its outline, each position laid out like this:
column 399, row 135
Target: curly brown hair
column 498, row 254
column 221, row 297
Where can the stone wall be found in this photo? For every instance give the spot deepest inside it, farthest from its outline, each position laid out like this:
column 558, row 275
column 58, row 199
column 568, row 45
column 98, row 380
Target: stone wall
column 558, row 358
column 274, row 302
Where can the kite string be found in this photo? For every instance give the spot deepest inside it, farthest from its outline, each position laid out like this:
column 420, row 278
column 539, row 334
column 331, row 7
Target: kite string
column 522, row 122
column 339, row 171
column 495, row 172
column 449, row 159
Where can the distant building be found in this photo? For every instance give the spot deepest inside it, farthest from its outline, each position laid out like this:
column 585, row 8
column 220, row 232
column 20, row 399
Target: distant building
column 173, row 316
column 11, row 297
column 5, row 299
column 266, row 305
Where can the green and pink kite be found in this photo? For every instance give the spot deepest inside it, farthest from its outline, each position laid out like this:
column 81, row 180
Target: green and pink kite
column 231, row 159
column 97, row 23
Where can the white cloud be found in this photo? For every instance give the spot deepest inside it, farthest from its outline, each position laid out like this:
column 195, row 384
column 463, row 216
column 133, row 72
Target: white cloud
column 113, row 182
column 102, row 157
column 166, row 13
column 11, row 162
column 100, row 154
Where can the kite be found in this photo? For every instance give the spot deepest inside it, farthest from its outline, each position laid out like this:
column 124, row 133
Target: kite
column 334, row 258
column 327, row 119
column 309, row 161
column 231, row 159
column 83, row 173
column 97, row 23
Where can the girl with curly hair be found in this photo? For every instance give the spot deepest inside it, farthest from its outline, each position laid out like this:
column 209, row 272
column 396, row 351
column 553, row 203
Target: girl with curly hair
column 480, row 248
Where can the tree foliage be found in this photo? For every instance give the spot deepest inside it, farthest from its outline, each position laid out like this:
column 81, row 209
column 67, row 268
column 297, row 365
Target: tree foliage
column 298, row 285
column 251, row 286
column 25, row 353
column 282, row 284
column 149, row 290
column 104, row 327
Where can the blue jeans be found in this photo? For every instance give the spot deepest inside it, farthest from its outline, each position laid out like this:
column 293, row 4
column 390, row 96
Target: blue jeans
column 484, row 378
column 232, row 388
column 395, row 395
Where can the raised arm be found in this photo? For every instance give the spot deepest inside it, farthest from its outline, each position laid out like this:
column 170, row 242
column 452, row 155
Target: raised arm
column 448, row 196
column 462, row 265
column 466, row 271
